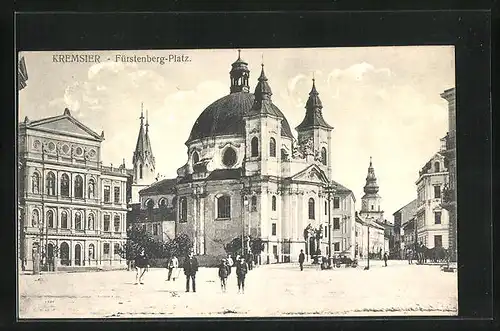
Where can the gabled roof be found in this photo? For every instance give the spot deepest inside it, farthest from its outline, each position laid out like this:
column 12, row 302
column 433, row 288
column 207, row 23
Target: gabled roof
column 65, row 124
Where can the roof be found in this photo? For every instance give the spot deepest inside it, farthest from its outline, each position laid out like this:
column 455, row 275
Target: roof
column 339, row 187
column 64, row 123
column 314, row 115
column 409, row 204
column 164, row 186
column 225, row 117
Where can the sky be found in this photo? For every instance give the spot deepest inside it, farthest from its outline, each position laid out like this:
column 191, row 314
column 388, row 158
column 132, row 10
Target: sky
column 383, row 102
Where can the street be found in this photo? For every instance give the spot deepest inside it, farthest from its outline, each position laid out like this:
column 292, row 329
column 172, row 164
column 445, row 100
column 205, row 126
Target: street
column 271, row 290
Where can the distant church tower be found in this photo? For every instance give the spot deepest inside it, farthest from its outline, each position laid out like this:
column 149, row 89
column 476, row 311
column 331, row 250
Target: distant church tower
column 143, row 161
column 370, row 202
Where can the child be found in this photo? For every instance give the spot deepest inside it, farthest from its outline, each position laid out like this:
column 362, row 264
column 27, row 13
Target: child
column 241, row 272
column 141, row 265
column 223, row 273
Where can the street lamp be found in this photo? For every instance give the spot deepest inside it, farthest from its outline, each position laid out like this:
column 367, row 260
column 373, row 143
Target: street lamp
column 368, row 248
column 329, row 191
column 245, row 204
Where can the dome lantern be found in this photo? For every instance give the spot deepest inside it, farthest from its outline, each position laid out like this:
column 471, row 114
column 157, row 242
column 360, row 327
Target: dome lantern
column 239, row 75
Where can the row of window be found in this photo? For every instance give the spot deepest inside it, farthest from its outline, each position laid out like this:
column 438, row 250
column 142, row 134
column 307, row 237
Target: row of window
column 78, row 187
column 78, row 221
column 254, row 150
column 224, row 207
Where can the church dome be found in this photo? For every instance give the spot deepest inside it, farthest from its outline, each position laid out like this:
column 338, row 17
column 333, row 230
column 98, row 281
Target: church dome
column 225, row 117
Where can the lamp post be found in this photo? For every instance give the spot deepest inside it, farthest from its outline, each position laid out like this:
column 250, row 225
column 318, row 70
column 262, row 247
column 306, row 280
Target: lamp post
column 245, row 204
column 329, row 191
column 368, row 248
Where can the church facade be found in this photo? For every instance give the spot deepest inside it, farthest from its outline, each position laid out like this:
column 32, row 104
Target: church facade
column 71, row 206
column 247, row 175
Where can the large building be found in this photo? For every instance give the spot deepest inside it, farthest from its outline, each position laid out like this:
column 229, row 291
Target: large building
column 246, row 174
column 401, row 217
column 449, row 201
column 71, row 206
column 431, row 218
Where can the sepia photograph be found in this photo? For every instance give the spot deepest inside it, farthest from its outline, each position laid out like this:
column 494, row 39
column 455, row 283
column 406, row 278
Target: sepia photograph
column 252, row 182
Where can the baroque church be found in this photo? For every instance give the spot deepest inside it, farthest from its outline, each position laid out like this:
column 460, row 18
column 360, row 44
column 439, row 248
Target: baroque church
column 247, row 175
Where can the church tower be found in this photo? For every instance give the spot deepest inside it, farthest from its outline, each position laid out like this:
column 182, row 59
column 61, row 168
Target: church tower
column 314, row 133
column 263, row 132
column 370, row 202
column 142, row 160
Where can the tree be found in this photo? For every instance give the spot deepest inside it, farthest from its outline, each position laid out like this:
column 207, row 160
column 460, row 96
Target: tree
column 137, row 240
column 256, row 245
column 179, row 246
column 233, row 247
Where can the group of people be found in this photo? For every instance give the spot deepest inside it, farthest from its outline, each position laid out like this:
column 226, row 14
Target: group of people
column 190, row 267
column 242, row 268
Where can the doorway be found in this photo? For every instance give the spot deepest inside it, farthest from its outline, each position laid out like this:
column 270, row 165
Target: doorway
column 78, row 254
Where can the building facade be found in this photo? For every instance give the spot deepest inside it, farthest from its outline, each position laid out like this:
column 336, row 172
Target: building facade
column 369, row 238
column 449, row 201
column 71, row 206
column 432, row 220
column 401, row 218
column 247, row 175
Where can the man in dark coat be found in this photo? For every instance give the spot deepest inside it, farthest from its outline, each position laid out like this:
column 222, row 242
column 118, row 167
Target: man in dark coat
column 385, row 258
column 190, row 269
column 241, row 272
column 301, row 259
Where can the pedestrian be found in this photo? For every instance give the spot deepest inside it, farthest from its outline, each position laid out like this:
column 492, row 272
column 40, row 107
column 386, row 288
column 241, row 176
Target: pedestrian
column 141, row 266
column 190, row 269
column 410, row 256
column 173, row 266
column 241, row 272
column 385, row 258
column 223, row 273
column 302, row 258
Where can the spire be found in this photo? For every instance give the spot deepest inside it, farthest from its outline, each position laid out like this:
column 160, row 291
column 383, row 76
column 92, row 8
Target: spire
column 143, row 151
column 239, row 75
column 371, row 186
column 262, row 103
column 314, row 116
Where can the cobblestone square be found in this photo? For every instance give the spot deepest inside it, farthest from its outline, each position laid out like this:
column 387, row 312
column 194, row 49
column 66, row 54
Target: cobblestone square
column 280, row 290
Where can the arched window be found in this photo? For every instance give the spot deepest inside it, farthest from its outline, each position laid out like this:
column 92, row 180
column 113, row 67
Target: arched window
column 35, row 183
column 196, row 157
column 311, row 209
column 50, row 219
column 254, row 147
column 116, row 223
column 436, row 167
column 284, row 155
column 64, row 219
column 273, row 203
column 323, row 156
column 162, row 203
column 65, row 185
column 183, row 209
column 91, row 188
column 35, row 218
column 229, row 157
column 91, row 252
column 90, row 222
column 272, row 147
column 254, row 203
column 78, row 221
column 78, row 186
column 224, row 207
column 149, row 206
column 51, row 183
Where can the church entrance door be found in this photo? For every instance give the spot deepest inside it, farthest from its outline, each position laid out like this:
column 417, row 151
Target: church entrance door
column 78, row 254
